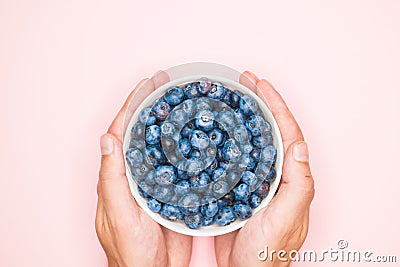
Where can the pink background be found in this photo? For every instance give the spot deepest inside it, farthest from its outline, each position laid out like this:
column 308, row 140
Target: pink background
column 67, row 66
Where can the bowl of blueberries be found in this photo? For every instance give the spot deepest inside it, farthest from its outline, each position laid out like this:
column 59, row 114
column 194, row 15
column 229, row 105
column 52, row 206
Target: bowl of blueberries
column 203, row 152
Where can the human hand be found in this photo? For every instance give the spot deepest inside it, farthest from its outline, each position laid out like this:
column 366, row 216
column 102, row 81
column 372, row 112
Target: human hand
column 127, row 234
column 283, row 224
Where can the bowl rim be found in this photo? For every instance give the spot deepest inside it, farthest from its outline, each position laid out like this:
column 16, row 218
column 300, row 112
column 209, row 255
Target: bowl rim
column 212, row 230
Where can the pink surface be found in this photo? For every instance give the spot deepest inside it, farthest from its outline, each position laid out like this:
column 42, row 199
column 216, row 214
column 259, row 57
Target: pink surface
column 67, row 66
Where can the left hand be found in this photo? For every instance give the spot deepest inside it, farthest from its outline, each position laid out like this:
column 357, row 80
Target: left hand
column 128, row 235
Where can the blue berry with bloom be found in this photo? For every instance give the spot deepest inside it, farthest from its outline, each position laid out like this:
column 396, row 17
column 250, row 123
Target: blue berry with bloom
column 147, row 116
column 174, row 95
column 154, row 205
column 193, row 221
column 192, row 90
column 153, row 134
column 161, row 109
column 217, row 91
column 242, row 211
column 165, row 175
column 205, row 120
column 199, row 140
column 225, row 216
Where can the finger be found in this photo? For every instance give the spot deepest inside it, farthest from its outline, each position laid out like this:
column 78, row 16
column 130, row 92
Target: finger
column 297, row 185
column 160, row 78
column 249, row 80
column 99, row 214
column 113, row 185
column 178, row 242
column 141, row 91
column 288, row 126
column 223, row 246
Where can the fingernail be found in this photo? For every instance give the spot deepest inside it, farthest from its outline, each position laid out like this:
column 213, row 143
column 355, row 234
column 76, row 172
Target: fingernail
column 300, row 152
column 106, row 145
column 253, row 76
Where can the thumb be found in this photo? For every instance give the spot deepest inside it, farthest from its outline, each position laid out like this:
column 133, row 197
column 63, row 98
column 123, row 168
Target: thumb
column 113, row 184
column 297, row 186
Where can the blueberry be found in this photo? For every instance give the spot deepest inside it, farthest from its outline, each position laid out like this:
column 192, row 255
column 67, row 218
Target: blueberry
column 150, row 177
column 263, row 169
column 254, row 201
column 162, row 193
column 194, row 153
column 254, row 124
column 161, row 110
column 219, row 173
column 140, row 170
column 246, row 162
column 242, row 211
column 207, row 221
column 271, row 175
column 204, row 120
column 154, row 205
column 194, row 166
column 137, row 132
column 229, row 198
column 230, row 151
column 216, row 136
column 235, row 99
column 210, row 153
column 224, row 165
column 242, row 192
column 147, row 116
column 226, row 120
column 154, row 156
column 168, row 144
column 174, row 95
column 153, row 134
column 192, row 90
column 145, row 190
column 233, row 177
column 255, row 153
column 268, row 153
column 262, row 141
column 182, row 187
column 250, row 179
column 188, row 106
column 220, row 188
column 165, row 175
column 209, row 207
column 189, row 204
column 171, row 212
column 225, row 216
column 199, row 182
column 194, row 221
column 263, row 190
column 187, row 129
column 179, row 117
column 167, row 129
column 203, row 103
column 227, row 97
column 239, row 116
column 241, row 134
column 210, row 169
column 140, row 144
column 134, row 156
column 248, row 105
column 217, row 91
column 184, row 147
column 204, row 85
column 199, row 140
column 181, row 170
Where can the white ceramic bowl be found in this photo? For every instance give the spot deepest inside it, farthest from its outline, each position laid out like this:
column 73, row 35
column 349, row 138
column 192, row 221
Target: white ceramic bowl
column 214, row 229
